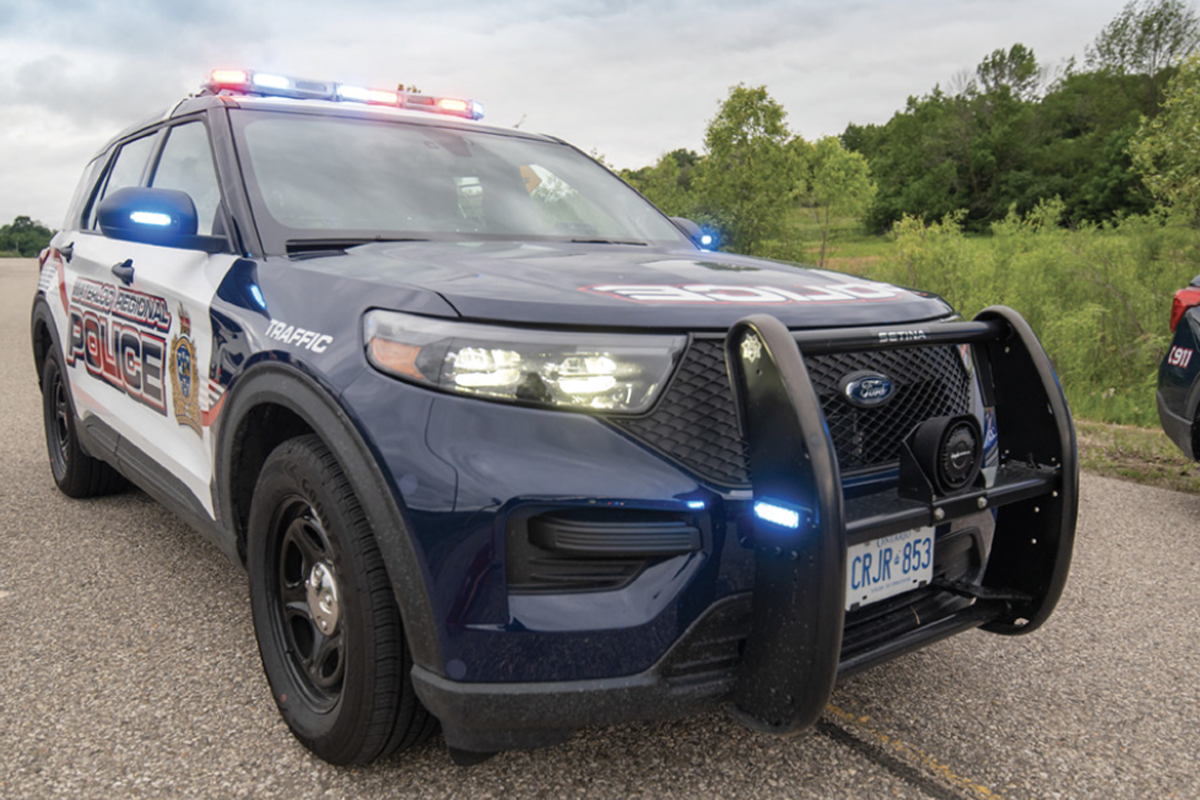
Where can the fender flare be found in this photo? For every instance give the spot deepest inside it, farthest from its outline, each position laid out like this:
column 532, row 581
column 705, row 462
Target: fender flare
column 38, row 316
column 287, row 386
column 42, row 315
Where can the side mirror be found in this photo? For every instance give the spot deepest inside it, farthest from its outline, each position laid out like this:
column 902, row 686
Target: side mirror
column 700, row 237
column 163, row 217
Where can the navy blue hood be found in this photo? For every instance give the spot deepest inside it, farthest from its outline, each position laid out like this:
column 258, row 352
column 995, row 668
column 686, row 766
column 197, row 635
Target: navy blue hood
column 624, row 286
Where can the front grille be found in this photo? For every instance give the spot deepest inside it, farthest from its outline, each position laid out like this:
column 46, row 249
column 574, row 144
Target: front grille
column 694, row 423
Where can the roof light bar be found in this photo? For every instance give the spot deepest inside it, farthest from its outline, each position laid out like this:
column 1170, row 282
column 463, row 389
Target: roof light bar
column 240, row 81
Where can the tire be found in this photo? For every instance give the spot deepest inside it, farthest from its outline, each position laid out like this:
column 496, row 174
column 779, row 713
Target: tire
column 75, row 472
column 329, row 631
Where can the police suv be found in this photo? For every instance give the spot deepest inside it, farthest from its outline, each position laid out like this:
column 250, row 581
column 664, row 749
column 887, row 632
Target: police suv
column 502, row 447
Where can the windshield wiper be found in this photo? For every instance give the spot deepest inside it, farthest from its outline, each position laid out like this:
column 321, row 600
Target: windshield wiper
column 303, row 247
column 607, row 241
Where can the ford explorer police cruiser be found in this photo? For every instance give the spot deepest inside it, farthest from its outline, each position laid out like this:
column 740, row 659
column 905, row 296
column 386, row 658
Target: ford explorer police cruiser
column 502, row 448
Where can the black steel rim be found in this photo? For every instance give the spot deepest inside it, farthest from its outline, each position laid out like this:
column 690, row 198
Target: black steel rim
column 60, row 427
column 316, row 660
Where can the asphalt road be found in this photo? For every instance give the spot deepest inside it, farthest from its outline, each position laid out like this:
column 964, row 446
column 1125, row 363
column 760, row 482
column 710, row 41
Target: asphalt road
column 128, row 669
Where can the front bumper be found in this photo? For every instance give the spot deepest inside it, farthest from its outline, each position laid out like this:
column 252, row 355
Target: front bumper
column 777, row 650
column 1177, row 427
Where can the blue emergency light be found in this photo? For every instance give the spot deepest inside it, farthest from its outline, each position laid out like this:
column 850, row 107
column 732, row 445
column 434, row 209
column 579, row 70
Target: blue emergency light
column 779, row 515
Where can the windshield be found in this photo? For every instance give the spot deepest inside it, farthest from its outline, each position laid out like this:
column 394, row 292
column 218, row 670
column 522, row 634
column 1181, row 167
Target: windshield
column 314, row 178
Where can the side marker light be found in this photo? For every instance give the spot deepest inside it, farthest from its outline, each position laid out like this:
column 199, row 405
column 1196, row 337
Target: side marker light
column 257, row 294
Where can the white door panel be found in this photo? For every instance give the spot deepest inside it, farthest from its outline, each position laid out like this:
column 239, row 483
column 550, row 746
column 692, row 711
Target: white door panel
column 139, row 354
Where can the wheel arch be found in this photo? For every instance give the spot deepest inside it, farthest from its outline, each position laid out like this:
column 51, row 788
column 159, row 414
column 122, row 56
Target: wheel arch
column 43, row 334
column 273, row 402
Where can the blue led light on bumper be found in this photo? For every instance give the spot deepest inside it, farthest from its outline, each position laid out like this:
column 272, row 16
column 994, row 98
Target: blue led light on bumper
column 696, row 505
column 778, row 515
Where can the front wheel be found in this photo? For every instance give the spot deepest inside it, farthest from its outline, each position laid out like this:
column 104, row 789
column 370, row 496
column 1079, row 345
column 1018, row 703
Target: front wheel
column 328, row 628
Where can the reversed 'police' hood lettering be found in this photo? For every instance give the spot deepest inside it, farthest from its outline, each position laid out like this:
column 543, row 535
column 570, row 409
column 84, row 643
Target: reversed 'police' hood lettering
column 613, row 286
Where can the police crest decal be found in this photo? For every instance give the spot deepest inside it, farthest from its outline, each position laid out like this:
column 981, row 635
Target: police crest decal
column 184, row 387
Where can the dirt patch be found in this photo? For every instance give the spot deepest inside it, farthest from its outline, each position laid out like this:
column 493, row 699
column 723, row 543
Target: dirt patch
column 1144, row 455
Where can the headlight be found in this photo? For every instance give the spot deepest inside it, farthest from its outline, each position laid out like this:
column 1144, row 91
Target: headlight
column 609, row 372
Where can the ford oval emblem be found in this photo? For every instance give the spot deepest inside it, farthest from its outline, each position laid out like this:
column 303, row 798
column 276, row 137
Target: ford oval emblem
column 867, row 389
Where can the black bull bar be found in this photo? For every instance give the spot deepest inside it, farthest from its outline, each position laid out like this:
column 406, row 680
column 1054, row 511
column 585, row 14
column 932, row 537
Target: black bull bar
column 793, row 656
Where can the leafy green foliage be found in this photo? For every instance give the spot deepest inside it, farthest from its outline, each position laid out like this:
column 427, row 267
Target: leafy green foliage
column 24, row 237
column 837, row 182
column 1098, row 296
column 1146, row 37
column 1001, row 141
column 1015, row 71
column 1165, row 149
column 749, row 175
column 985, row 152
column 668, row 183
column 946, row 153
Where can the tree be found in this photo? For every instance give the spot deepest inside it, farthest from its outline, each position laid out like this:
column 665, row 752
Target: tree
column 1164, row 149
column 668, row 184
column 1016, row 71
column 1000, row 142
column 946, row 153
column 1145, row 37
column 837, row 182
column 748, row 176
column 24, row 236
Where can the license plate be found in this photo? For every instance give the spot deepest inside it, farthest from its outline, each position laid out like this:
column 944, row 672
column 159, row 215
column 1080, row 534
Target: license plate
column 887, row 566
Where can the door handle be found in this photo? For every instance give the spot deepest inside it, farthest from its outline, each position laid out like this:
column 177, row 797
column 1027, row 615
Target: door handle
column 124, row 271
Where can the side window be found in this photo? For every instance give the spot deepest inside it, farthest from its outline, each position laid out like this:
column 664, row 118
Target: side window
column 126, row 171
column 186, row 165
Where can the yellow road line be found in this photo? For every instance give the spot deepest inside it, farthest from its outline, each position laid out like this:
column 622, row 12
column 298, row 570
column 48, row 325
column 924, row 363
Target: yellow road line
column 913, row 755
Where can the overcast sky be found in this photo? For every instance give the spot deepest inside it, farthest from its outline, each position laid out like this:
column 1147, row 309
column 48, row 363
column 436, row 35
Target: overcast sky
column 628, row 80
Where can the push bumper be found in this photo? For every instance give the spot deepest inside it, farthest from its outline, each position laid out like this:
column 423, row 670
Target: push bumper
column 783, row 641
column 794, row 647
